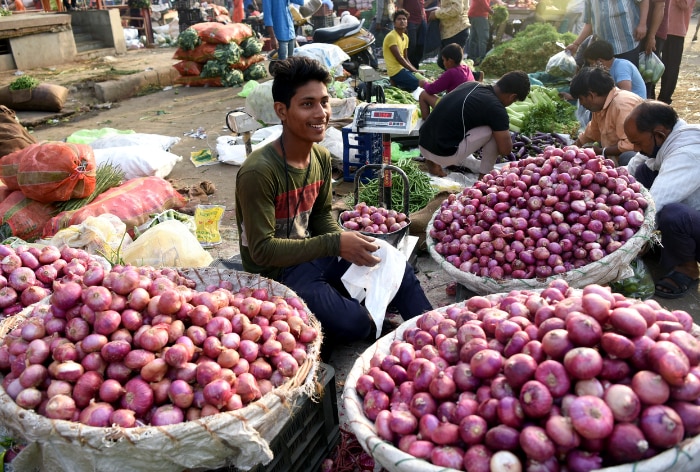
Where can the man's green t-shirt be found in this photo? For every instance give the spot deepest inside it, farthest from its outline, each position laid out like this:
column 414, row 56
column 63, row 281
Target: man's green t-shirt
column 284, row 215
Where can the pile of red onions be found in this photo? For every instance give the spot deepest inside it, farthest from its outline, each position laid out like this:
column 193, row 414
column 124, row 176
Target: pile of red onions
column 27, row 273
column 540, row 216
column 542, row 382
column 371, row 219
column 137, row 346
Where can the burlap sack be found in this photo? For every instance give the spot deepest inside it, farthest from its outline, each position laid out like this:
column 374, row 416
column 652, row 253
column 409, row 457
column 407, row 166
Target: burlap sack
column 684, row 458
column 421, row 218
column 43, row 97
column 239, row 438
column 603, row 271
column 13, row 136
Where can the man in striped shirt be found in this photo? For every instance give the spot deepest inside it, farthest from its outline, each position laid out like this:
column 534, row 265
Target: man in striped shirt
column 671, row 171
column 622, row 23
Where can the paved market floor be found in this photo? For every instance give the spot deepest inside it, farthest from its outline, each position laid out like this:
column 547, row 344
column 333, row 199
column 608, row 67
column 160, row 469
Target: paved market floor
column 182, row 112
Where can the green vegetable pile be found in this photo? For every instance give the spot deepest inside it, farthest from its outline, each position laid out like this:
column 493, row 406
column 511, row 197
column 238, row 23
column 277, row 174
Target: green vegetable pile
column 420, row 189
column 232, row 78
column 256, row 71
column 228, row 53
column 5, row 12
column 24, row 82
column 528, row 51
column 396, row 95
column 189, row 39
column 251, row 46
column 499, row 15
column 543, row 110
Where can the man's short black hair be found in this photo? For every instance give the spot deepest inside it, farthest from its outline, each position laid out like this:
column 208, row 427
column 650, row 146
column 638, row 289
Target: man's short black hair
column 599, row 50
column 651, row 113
column 453, row 51
column 400, row 12
column 517, row 82
column 591, row 79
column 294, row 72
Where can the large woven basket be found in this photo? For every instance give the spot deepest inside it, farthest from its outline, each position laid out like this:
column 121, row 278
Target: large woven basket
column 683, row 458
column 239, row 438
column 606, row 270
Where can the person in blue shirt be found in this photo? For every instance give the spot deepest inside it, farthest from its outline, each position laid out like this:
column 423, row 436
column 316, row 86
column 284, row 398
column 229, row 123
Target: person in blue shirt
column 626, row 75
column 280, row 26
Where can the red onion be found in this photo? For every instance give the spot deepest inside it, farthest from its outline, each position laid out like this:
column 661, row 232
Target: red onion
column 138, row 396
column 167, row 414
column 97, row 414
column 60, row 407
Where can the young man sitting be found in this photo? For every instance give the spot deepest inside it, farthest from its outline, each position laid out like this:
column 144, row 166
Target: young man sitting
column 283, row 211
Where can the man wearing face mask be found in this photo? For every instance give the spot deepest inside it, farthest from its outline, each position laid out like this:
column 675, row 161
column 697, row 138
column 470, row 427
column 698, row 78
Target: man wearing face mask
column 672, row 174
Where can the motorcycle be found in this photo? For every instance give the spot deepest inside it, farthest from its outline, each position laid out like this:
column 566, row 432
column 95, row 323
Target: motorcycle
column 355, row 41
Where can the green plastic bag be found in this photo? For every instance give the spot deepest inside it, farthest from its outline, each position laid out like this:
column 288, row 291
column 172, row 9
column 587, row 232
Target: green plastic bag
column 86, row 136
column 247, row 88
column 640, row 285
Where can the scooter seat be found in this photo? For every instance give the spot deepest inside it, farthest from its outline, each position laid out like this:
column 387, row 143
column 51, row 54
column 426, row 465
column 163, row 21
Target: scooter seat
column 334, row 33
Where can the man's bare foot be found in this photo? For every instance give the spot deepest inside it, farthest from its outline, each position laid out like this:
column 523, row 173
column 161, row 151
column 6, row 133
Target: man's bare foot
column 435, row 169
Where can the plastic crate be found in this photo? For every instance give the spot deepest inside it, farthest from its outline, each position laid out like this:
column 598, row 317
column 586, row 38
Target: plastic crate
column 184, row 4
column 310, row 434
column 188, row 18
column 360, row 149
column 322, row 21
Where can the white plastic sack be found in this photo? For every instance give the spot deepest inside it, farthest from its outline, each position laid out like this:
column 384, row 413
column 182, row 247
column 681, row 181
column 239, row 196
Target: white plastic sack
column 333, row 142
column 136, row 139
column 329, row 55
column 562, row 64
column 259, row 104
column 137, row 161
column 231, row 149
column 377, row 285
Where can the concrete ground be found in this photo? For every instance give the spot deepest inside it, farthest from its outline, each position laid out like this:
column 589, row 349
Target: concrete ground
column 178, row 111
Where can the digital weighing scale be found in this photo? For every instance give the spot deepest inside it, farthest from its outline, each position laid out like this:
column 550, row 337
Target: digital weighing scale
column 387, row 119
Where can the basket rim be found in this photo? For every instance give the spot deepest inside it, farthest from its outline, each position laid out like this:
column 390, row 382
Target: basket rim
column 630, row 250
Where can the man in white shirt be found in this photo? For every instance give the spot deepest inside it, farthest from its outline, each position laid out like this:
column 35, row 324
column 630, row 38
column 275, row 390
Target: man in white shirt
column 672, row 174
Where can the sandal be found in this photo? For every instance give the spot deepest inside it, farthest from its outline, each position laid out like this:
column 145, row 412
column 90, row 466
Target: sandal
column 673, row 285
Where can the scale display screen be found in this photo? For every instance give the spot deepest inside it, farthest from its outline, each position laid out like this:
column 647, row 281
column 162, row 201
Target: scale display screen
column 387, row 115
column 385, row 118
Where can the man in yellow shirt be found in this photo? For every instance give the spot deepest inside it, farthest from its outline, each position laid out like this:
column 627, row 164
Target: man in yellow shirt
column 395, row 48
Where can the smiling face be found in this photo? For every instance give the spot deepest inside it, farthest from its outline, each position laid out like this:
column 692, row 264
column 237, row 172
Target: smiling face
column 308, row 113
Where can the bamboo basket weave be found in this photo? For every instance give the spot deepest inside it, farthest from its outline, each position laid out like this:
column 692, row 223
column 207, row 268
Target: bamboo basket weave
column 238, row 438
column 608, row 269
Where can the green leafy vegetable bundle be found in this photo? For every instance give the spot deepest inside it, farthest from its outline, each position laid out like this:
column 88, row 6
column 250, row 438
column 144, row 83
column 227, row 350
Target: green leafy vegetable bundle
column 24, row 82
column 420, row 189
column 544, row 111
column 528, row 51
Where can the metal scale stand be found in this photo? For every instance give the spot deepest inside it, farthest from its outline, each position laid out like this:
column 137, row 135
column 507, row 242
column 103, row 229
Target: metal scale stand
column 387, row 119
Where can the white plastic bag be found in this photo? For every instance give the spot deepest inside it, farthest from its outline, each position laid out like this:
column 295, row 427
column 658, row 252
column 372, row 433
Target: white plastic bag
column 329, row 55
column 377, row 285
column 136, row 139
column 259, row 103
column 562, row 64
column 139, row 161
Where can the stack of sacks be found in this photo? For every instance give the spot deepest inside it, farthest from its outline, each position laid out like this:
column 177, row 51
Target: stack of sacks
column 214, row 54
